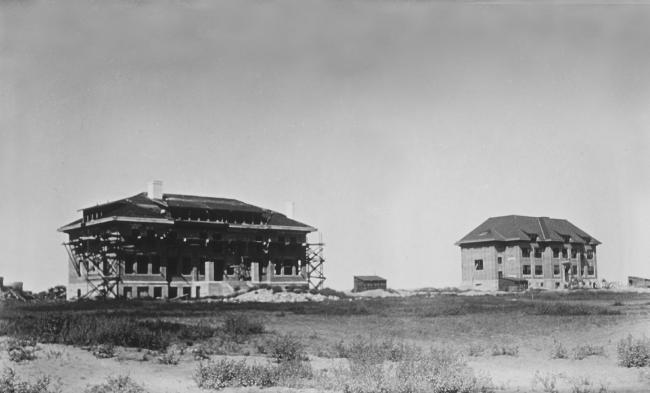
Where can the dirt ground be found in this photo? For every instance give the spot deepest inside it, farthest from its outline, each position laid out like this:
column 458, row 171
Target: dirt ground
column 533, row 336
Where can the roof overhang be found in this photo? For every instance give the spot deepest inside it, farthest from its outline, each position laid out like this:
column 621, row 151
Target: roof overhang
column 116, row 218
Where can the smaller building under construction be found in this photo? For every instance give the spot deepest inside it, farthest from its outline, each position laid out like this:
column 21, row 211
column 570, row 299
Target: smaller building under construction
column 168, row 245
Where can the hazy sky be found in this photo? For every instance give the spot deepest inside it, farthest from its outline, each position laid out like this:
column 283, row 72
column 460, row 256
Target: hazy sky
column 396, row 127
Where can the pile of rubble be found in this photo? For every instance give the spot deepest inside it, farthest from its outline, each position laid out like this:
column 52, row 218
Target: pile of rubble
column 269, row 296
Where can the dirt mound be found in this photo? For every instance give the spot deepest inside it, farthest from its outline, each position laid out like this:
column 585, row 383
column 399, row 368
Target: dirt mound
column 267, row 296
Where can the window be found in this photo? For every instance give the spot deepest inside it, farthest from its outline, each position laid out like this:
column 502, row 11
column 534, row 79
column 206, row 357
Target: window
column 143, row 291
column 155, row 264
column 128, row 292
column 278, row 268
column 287, row 269
column 478, row 264
column 500, row 274
column 538, row 252
column 525, row 252
column 574, row 270
column 564, row 253
column 556, row 270
column 172, row 267
column 202, row 267
column 157, row 292
column 499, row 260
column 590, row 254
column 556, row 253
column 557, row 285
column 143, row 265
column 230, row 270
column 187, row 266
column 526, row 270
column 187, row 291
column 173, row 292
column 591, row 270
column 541, row 284
column 128, row 266
column 539, row 270
column 574, row 253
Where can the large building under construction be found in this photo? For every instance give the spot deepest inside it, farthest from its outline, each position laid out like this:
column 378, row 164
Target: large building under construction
column 168, row 245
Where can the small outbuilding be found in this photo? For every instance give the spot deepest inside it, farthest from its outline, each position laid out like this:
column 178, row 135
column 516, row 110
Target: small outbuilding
column 367, row 283
column 638, row 282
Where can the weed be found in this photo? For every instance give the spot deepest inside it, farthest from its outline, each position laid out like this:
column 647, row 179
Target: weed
column 10, row 383
column 559, row 351
column 548, row 382
column 119, row 384
column 240, row 326
column 287, row 348
column 505, row 350
column 368, row 351
column 232, row 373
column 171, row 356
column 582, row 351
column 103, row 351
column 633, row 352
column 567, row 309
column 432, row 372
column 476, row 349
column 21, row 350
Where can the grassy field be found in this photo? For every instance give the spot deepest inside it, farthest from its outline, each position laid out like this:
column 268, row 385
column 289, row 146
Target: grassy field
column 578, row 341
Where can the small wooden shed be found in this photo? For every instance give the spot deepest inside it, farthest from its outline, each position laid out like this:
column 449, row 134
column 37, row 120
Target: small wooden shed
column 367, row 283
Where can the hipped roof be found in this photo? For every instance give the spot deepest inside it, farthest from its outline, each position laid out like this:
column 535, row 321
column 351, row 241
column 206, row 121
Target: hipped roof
column 527, row 229
column 140, row 206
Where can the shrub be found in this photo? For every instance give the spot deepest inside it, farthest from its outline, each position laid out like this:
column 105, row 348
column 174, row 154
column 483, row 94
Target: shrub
column 505, row 350
column 333, row 292
column 119, row 384
column 475, row 349
column 240, row 325
column 582, row 351
column 287, row 348
column 433, row 372
column 171, row 356
column 633, row 352
column 559, row 351
column 104, row 351
column 548, row 382
column 277, row 289
column 10, row 383
column 232, row 373
column 21, row 350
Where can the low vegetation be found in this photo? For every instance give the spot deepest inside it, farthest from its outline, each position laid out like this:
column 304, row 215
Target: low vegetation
column 21, row 350
column 119, row 384
column 237, row 373
column 582, row 351
column 633, row 352
column 92, row 329
column 10, row 383
column 374, row 351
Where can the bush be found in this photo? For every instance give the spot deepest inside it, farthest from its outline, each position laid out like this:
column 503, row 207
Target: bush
column 21, row 350
column 559, row 351
column 240, row 325
column 232, row 373
column 171, row 356
column 333, row 292
column 10, row 383
column 277, row 289
column 633, row 352
column 475, row 350
column 104, row 351
column 433, row 372
column 286, row 348
column 119, row 384
column 505, row 350
column 582, row 351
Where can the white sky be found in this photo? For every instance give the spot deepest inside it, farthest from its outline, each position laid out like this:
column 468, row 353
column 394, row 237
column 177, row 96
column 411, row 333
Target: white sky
column 396, row 127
